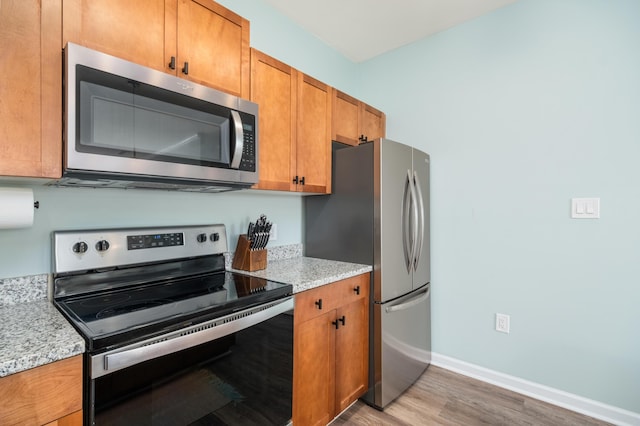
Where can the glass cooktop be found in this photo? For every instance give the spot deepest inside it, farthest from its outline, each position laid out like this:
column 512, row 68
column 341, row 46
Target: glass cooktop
column 116, row 316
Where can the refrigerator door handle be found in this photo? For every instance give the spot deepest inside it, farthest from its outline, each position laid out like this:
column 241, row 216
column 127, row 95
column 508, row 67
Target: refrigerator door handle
column 414, row 222
column 419, row 298
column 406, row 231
column 420, row 233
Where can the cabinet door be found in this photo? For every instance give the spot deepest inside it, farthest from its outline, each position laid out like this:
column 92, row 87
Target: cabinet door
column 313, row 148
column 273, row 88
column 352, row 352
column 346, row 115
column 313, row 370
column 373, row 122
column 215, row 43
column 42, row 394
column 30, row 101
column 131, row 30
column 352, row 343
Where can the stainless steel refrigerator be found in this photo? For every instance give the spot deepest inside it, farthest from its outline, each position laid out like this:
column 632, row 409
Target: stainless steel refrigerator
column 378, row 214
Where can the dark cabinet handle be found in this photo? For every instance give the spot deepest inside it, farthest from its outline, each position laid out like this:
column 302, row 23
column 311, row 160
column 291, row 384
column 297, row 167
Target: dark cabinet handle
column 357, row 289
column 295, row 180
column 318, row 303
column 302, row 181
column 336, row 324
column 185, row 69
column 342, row 319
column 172, row 64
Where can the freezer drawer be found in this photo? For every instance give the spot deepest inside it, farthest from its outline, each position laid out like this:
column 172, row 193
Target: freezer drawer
column 401, row 345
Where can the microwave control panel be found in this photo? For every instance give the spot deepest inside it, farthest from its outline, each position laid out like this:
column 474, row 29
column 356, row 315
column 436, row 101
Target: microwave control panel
column 248, row 161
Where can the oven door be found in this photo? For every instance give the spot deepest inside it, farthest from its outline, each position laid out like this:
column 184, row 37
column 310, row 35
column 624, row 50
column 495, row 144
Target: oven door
column 233, row 370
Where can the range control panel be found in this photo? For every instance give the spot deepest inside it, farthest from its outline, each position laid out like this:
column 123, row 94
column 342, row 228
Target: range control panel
column 135, row 242
column 106, row 248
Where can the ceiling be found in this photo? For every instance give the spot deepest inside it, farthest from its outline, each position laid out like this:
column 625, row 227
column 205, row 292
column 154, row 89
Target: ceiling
column 362, row 29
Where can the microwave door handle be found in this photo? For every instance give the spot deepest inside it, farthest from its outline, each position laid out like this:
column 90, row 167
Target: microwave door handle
column 239, row 135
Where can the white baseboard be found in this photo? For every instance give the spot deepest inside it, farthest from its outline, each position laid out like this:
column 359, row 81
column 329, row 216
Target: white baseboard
column 589, row 407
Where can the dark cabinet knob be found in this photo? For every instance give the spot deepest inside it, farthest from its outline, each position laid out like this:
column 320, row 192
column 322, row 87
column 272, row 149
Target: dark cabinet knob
column 342, row 319
column 295, row 180
column 172, row 64
column 335, row 324
column 357, row 289
column 318, row 303
column 302, row 181
column 185, row 69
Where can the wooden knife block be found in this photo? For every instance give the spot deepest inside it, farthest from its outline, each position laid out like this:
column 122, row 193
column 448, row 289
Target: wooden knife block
column 247, row 259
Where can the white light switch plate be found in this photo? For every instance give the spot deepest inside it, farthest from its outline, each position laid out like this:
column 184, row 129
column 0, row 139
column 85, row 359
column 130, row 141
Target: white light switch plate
column 585, row 208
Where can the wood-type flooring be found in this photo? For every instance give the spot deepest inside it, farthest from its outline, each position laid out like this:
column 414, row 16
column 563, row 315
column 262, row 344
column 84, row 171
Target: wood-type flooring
column 442, row 397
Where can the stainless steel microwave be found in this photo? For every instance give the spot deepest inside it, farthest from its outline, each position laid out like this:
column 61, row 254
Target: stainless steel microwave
column 129, row 126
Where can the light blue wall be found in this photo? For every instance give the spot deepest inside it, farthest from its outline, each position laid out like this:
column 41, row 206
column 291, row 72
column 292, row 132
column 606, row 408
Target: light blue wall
column 521, row 110
column 28, row 251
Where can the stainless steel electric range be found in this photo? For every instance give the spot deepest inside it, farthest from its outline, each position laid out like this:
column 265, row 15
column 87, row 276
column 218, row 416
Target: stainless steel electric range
column 172, row 338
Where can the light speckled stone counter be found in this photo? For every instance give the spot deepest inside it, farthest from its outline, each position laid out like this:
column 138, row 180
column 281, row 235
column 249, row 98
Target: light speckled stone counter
column 305, row 273
column 32, row 331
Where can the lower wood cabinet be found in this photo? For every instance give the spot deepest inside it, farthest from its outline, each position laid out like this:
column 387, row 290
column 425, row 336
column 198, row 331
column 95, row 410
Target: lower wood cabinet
column 331, row 344
column 47, row 395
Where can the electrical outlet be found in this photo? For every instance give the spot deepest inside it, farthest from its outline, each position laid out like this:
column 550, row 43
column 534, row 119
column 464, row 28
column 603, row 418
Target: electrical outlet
column 502, row 323
column 273, row 234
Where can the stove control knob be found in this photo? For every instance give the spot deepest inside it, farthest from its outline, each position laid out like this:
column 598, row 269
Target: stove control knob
column 102, row 245
column 214, row 237
column 201, row 238
column 80, row 247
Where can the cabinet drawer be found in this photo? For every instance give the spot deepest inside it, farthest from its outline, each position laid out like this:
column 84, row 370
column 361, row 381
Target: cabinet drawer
column 352, row 289
column 312, row 303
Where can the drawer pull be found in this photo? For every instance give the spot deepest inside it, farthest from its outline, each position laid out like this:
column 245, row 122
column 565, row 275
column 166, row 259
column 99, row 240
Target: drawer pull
column 318, row 303
column 357, row 290
column 342, row 319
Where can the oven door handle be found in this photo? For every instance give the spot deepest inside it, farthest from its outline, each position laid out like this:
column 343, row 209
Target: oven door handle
column 118, row 359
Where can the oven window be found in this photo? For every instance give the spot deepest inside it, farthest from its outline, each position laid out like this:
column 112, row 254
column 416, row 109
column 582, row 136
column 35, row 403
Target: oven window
column 244, row 378
column 126, row 118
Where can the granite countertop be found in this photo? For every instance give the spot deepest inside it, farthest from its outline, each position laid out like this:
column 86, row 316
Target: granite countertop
column 305, row 273
column 34, row 333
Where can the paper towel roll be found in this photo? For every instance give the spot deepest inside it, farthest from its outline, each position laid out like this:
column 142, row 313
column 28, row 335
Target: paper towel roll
column 16, row 208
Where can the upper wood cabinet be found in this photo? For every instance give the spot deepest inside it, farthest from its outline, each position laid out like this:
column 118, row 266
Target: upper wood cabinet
column 354, row 121
column 194, row 39
column 31, row 91
column 313, row 132
column 294, row 127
